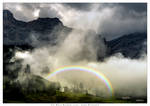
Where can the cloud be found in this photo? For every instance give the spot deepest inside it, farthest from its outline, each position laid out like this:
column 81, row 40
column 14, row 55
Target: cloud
column 109, row 19
column 27, row 12
column 79, row 6
column 48, row 12
column 118, row 21
column 138, row 7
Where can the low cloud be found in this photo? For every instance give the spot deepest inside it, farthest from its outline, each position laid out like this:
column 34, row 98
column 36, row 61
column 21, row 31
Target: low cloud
column 128, row 77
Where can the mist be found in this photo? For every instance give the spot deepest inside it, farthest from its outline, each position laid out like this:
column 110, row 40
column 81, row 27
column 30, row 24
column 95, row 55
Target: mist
column 83, row 46
column 127, row 76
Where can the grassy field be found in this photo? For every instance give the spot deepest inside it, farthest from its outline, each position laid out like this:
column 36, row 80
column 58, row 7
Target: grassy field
column 61, row 97
column 35, row 92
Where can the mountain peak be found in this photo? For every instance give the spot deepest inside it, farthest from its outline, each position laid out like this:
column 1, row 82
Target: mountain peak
column 7, row 15
column 47, row 21
column 7, row 12
column 42, row 24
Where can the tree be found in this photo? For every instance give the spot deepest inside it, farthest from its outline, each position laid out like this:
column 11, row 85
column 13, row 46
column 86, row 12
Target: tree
column 27, row 69
column 81, row 86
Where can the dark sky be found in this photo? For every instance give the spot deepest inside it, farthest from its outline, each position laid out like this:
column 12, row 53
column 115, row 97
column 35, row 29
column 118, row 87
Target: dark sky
column 110, row 19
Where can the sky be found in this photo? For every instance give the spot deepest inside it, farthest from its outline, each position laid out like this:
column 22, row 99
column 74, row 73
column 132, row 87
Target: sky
column 111, row 20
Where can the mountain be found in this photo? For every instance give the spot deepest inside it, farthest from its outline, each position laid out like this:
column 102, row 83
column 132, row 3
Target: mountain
column 131, row 45
column 44, row 31
column 25, row 33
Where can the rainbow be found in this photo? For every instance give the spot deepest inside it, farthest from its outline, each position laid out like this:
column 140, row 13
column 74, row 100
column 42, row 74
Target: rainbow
column 85, row 69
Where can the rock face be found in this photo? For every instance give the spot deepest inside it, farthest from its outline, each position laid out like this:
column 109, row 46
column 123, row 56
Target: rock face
column 46, row 30
column 131, row 45
column 24, row 33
